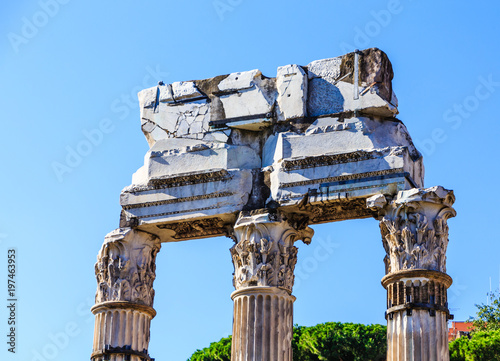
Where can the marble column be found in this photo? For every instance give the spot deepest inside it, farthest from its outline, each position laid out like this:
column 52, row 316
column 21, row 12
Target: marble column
column 125, row 271
column 415, row 237
column 264, row 259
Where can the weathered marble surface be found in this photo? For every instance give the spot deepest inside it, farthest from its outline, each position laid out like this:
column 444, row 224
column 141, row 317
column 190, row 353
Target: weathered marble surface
column 242, row 141
column 414, row 227
column 249, row 100
column 125, row 272
column 259, row 159
column 334, row 159
column 264, row 258
column 125, row 268
column 418, row 337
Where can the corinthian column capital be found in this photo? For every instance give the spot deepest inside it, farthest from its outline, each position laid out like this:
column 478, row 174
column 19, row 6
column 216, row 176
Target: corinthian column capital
column 264, row 254
column 414, row 228
column 125, row 268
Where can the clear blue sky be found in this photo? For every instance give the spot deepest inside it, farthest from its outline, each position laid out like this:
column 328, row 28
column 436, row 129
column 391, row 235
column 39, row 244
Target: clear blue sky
column 69, row 68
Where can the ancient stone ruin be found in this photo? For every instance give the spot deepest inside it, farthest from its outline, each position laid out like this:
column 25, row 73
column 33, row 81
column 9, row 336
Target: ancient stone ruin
column 259, row 160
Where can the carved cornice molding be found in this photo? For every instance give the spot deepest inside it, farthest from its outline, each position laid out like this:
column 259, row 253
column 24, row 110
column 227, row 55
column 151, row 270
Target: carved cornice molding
column 178, row 200
column 333, row 159
column 264, row 255
column 414, row 228
column 180, row 180
column 125, row 268
column 350, row 177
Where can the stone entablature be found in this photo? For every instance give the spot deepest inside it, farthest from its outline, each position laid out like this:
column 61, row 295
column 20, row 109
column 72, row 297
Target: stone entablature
column 317, row 135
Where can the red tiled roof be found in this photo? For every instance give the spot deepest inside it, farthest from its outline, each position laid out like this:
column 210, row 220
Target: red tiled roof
column 457, row 327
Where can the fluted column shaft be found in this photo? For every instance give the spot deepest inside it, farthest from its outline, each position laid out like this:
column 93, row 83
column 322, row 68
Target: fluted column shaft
column 264, row 259
column 263, row 324
column 415, row 236
column 125, row 271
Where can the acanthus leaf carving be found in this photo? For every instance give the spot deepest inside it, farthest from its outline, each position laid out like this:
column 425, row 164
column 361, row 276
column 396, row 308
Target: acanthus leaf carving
column 264, row 254
column 415, row 232
column 125, row 268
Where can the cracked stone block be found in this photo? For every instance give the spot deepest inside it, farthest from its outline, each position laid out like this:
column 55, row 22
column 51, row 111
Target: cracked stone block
column 245, row 103
column 240, row 80
column 376, row 201
column 353, row 134
column 216, row 137
column 196, row 126
column 206, row 123
column 249, row 94
column 173, row 119
column 183, row 128
column 325, row 97
column 147, row 97
column 155, row 134
column 148, row 127
column 325, row 68
column 179, row 91
column 204, row 110
column 176, row 156
column 291, row 82
column 331, row 85
column 321, row 88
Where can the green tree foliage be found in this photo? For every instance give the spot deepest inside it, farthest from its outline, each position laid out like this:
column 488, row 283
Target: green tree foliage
column 484, row 344
column 459, row 348
column 488, row 316
column 331, row 341
column 217, row 351
column 335, row 341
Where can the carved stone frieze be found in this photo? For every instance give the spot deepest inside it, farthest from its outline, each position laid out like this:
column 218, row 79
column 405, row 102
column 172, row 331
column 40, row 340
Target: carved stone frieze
column 125, row 268
column 198, row 228
column 340, row 210
column 414, row 229
column 264, row 254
